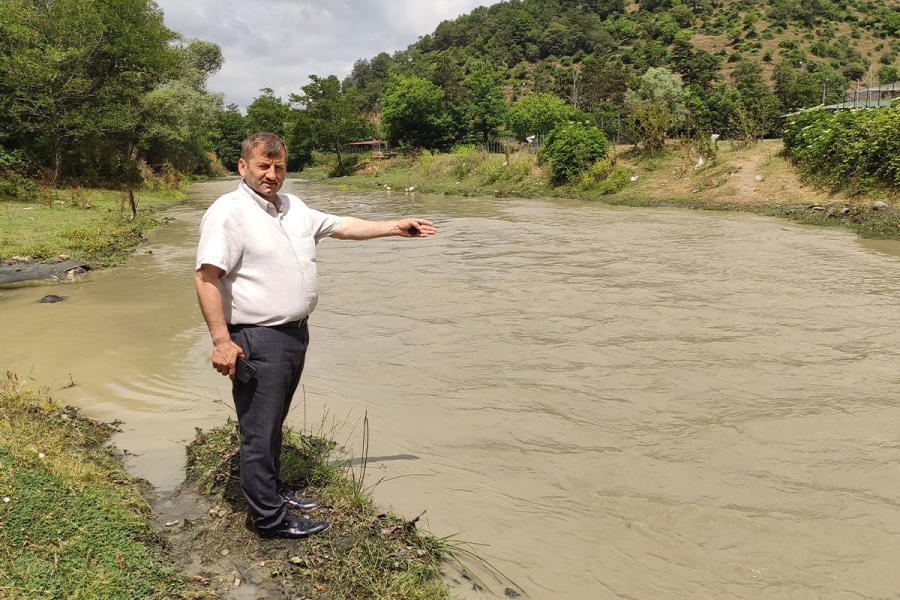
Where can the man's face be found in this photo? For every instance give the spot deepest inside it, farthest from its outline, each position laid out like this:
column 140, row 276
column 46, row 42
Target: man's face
column 264, row 174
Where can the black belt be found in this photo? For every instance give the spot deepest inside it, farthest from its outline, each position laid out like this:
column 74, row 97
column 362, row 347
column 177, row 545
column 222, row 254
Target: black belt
column 299, row 323
column 289, row 325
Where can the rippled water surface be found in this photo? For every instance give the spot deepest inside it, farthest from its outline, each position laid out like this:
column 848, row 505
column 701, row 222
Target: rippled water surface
column 618, row 403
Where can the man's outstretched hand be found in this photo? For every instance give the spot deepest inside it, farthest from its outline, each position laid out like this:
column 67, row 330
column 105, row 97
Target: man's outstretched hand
column 412, row 227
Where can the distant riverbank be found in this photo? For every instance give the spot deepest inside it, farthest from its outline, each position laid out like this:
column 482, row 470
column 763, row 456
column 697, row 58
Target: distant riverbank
column 755, row 179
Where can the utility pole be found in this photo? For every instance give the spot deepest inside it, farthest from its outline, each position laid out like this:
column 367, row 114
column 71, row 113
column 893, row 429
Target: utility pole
column 869, row 90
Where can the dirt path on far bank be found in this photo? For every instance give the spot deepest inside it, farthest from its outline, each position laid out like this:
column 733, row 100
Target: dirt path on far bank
column 756, row 176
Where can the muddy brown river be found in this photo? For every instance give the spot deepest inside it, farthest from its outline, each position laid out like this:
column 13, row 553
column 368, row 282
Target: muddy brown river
column 609, row 403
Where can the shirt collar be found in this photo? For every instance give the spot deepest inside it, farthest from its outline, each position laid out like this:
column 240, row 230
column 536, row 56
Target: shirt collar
column 263, row 203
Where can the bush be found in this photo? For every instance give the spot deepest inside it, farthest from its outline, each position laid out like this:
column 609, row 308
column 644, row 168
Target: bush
column 848, row 150
column 616, row 180
column 468, row 157
column 494, row 169
column 572, row 148
column 13, row 181
column 520, row 166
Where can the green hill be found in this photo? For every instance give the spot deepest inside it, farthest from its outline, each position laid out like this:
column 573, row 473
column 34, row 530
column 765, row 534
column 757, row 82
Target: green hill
column 759, row 57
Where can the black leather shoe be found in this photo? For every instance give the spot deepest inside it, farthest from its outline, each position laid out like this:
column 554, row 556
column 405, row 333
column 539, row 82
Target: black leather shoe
column 294, row 527
column 292, row 501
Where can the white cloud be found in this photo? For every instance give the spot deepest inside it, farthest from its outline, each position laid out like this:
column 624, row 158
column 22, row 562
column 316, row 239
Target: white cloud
column 279, row 43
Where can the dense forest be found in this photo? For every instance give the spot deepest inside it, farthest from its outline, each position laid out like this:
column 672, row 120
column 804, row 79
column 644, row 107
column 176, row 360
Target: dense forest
column 101, row 92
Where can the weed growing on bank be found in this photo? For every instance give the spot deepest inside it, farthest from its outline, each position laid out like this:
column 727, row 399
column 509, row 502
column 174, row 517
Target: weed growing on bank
column 366, row 553
column 95, row 226
column 73, row 523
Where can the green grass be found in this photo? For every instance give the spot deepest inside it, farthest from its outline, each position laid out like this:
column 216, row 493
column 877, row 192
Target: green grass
column 460, row 173
column 89, row 225
column 73, row 524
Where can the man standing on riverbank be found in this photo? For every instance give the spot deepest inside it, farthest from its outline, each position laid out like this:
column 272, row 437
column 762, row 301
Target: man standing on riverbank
column 256, row 285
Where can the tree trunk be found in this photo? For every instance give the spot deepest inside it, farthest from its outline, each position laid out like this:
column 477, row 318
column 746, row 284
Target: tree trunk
column 340, row 160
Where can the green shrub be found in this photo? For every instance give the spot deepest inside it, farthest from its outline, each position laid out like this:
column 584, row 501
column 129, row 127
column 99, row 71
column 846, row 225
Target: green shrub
column 494, row 169
column 572, row 148
column 427, row 165
column 849, row 150
column 616, row 180
column 598, row 172
column 468, row 157
column 520, row 166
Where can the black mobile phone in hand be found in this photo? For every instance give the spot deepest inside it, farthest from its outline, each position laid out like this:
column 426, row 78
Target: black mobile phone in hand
column 243, row 370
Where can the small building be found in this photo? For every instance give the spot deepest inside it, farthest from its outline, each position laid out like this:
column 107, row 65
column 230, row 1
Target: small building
column 366, row 146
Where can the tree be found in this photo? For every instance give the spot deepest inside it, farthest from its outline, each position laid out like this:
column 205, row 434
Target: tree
column 538, row 113
column 655, row 107
column 412, row 113
column 229, row 132
column 696, row 66
column 758, row 101
column 267, row 113
column 73, row 74
column 179, row 117
column 485, row 104
column 572, row 148
column 602, row 82
column 328, row 118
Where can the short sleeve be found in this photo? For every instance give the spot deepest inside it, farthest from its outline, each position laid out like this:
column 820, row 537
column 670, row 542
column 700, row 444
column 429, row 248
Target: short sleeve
column 220, row 238
column 323, row 224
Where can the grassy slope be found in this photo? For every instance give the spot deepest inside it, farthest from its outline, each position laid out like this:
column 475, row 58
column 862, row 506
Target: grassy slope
column 73, row 524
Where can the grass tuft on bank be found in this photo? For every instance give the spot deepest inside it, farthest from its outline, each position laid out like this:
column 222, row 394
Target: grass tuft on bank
column 73, row 523
column 95, row 226
column 366, row 553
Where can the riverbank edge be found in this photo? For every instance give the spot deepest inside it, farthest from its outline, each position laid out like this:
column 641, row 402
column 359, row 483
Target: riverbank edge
column 75, row 523
column 756, row 179
column 97, row 227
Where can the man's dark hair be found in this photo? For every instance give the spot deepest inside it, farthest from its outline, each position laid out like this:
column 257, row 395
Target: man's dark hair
column 269, row 144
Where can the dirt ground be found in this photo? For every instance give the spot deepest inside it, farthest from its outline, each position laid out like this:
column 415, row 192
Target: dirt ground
column 756, row 176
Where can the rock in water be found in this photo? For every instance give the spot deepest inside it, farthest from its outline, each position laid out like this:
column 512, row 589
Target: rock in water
column 52, row 299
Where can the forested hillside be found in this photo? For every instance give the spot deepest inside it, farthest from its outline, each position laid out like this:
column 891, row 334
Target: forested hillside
column 101, row 92
column 741, row 63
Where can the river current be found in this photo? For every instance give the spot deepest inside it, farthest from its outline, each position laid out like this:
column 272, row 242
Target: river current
column 606, row 403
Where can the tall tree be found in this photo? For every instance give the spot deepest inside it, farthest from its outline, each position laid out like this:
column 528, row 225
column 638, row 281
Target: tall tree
column 229, row 132
column 179, row 118
column 485, row 103
column 328, row 118
column 268, row 113
column 413, row 115
column 74, row 72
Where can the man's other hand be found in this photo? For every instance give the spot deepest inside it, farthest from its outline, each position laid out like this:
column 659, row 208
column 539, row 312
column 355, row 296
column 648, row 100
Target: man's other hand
column 225, row 355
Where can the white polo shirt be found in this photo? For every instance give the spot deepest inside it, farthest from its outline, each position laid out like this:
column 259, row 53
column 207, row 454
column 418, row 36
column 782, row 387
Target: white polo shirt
column 269, row 256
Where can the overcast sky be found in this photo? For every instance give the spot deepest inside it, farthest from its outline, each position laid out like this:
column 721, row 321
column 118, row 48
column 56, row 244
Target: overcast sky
column 279, row 43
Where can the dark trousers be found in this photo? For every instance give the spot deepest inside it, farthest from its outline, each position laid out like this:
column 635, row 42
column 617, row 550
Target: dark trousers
column 262, row 405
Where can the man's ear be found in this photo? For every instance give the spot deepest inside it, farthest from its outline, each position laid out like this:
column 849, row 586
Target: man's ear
column 242, row 166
